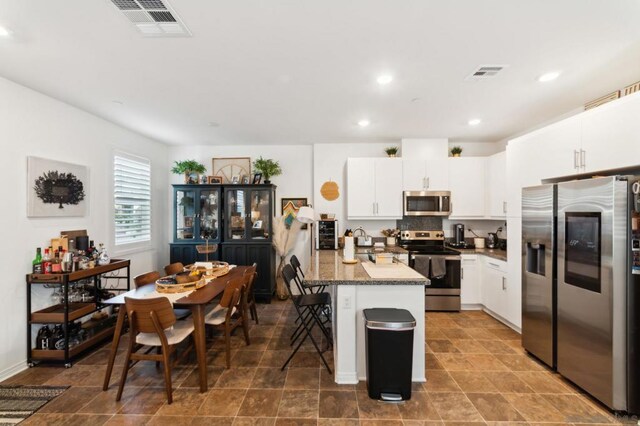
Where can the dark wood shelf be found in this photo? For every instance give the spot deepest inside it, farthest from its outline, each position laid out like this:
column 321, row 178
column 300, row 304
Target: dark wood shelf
column 55, row 313
column 58, row 354
column 77, row 275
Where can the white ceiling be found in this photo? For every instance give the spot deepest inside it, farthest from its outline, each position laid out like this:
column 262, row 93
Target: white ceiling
column 303, row 71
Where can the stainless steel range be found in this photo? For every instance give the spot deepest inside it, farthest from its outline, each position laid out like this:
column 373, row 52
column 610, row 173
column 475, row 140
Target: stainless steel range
column 429, row 256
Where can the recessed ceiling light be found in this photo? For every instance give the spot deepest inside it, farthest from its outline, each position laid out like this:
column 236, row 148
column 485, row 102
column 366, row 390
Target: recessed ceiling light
column 474, row 122
column 4, row 32
column 384, row 79
column 549, row 76
column 363, row 123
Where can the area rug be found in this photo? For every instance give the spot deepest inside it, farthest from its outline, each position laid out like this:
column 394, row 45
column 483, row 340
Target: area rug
column 19, row 402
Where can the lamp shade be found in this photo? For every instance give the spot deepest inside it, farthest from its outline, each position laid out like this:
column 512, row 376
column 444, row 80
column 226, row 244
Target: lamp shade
column 305, row 214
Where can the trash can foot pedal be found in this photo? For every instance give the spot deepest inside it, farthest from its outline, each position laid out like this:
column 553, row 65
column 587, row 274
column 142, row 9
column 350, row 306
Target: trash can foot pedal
column 390, row 397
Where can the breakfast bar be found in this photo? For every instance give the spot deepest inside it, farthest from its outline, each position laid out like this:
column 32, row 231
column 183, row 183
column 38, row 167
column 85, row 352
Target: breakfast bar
column 363, row 285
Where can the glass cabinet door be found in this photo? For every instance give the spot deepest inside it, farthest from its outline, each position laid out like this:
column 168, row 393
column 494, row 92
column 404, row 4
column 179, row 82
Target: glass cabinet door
column 208, row 216
column 260, row 214
column 185, row 203
column 236, row 214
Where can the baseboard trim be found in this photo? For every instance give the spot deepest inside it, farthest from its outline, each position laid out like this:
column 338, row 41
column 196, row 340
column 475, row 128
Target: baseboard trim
column 13, row 370
column 346, row 378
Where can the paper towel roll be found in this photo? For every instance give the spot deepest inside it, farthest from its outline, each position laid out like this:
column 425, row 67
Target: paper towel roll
column 349, row 251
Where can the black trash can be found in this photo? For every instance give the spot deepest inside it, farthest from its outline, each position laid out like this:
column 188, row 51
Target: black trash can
column 389, row 353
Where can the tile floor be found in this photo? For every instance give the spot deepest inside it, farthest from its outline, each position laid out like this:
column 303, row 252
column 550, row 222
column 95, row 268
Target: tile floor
column 477, row 373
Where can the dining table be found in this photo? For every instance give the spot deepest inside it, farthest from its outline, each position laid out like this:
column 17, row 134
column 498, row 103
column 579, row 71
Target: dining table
column 195, row 301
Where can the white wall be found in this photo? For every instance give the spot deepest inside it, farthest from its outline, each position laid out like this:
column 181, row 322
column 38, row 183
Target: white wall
column 479, row 149
column 330, row 163
column 36, row 125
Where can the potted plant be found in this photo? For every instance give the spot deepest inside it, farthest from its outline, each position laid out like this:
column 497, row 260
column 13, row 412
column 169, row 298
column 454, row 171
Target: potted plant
column 392, row 151
column 268, row 168
column 456, row 151
column 189, row 168
column 391, row 235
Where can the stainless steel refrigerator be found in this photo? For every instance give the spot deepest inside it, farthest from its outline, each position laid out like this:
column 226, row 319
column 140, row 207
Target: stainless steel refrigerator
column 538, row 272
column 594, row 281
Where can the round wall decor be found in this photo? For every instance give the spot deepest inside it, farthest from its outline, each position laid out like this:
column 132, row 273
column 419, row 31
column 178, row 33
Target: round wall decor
column 330, row 191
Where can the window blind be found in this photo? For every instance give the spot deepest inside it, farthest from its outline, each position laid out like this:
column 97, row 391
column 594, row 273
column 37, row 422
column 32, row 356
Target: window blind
column 132, row 198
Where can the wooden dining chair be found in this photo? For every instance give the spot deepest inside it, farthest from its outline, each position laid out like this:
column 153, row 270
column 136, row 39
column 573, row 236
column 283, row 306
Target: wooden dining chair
column 230, row 314
column 174, row 268
column 149, row 278
column 250, row 276
column 146, row 279
column 152, row 323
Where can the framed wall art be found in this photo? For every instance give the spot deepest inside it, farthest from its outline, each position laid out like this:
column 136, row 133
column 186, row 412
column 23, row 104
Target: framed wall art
column 290, row 207
column 227, row 168
column 56, row 188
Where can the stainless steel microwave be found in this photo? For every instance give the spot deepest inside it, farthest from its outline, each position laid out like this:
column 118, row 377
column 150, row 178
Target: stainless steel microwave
column 427, row 203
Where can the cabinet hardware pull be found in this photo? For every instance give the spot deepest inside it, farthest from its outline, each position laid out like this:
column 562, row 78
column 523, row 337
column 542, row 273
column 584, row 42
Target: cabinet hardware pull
column 583, row 159
column 424, row 183
column 428, row 183
column 494, row 265
column 504, row 207
column 462, row 273
column 504, row 283
column 373, row 206
column 575, row 159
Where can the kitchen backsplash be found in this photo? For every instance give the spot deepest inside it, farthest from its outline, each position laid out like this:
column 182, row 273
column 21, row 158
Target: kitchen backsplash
column 417, row 223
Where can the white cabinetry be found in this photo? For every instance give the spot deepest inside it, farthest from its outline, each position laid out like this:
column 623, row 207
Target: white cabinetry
column 467, row 185
column 611, row 135
column 497, row 185
column 470, row 292
column 425, row 164
column 373, row 188
column 494, row 287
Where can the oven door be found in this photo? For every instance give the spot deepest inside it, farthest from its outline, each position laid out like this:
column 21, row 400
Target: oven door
column 427, row 203
column 427, row 265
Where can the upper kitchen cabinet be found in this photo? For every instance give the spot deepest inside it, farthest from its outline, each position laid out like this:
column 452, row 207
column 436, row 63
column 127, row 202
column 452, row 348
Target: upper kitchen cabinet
column 497, row 185
column 467, row 185
column 374, row 188
column 617, row 123
column 424, row 165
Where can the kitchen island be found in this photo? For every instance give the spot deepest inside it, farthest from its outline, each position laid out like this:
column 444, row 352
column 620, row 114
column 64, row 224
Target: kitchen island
column 354, row 288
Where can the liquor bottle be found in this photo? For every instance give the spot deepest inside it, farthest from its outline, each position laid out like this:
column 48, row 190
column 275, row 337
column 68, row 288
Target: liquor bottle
column 46, row 262
column 37, row 262
column 56, row 266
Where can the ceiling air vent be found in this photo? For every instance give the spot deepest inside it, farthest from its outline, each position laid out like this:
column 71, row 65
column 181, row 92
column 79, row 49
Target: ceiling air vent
column 153, row 18
column 486, row 71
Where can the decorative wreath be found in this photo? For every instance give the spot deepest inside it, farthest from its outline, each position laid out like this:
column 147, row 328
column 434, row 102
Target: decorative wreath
column 54, row 187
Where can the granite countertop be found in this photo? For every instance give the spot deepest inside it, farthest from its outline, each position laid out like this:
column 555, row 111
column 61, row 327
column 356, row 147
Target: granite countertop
column 493, row 253
column 327, row 269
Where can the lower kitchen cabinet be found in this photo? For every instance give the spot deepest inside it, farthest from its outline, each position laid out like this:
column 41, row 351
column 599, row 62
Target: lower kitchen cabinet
column 494, row 287
column 260, row 253
column 470, row 285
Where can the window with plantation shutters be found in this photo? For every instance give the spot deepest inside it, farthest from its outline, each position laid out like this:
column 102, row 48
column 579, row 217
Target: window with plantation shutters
column 132, row 199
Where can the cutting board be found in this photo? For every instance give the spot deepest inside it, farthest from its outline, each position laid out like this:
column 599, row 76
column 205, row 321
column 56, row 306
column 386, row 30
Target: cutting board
column 394, row 271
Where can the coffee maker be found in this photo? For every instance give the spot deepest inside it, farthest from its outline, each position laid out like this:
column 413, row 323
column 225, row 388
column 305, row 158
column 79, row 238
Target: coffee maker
column 458, row 235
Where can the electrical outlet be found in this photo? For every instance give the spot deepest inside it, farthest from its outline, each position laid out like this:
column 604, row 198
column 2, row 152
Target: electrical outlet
column 346, row 302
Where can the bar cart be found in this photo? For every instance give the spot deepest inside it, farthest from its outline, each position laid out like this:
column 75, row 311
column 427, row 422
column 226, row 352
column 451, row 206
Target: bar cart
column 66, row 314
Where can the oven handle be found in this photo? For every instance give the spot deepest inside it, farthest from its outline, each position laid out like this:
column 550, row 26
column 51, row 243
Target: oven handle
column 458, row 258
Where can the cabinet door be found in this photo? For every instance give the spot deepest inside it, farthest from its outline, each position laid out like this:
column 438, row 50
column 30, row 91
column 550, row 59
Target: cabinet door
column 470, row 291
column 260, row 203
column 388, row 182
column 209, row 214
column 236, row 212
column 497, row 185
column 184, row 253
column 555, row 148
column 234, row 254
column 185, row 215
column 467, row 185
column 494, row 287
column 361, row 194
column 611, row 134
column 414, row 174
column 438, row 173
column 263, row 255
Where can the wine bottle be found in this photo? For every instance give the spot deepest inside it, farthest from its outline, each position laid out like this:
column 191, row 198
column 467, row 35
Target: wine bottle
column 37, row 262
column 46, row 262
